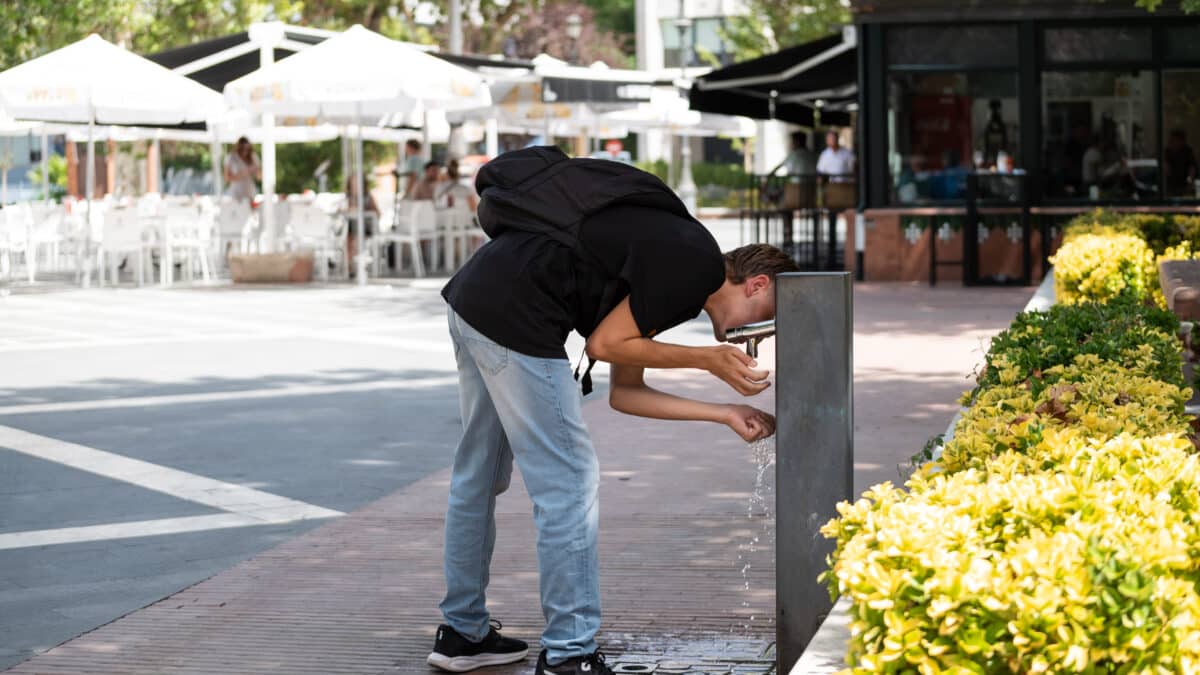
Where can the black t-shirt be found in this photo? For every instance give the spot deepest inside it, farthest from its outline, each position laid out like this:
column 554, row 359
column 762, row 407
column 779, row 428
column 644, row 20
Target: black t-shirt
column 527, row 291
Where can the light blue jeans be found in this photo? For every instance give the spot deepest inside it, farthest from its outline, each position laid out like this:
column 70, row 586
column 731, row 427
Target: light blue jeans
column 530, row 409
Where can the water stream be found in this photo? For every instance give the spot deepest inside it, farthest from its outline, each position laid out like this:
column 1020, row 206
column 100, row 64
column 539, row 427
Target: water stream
column 761, row 507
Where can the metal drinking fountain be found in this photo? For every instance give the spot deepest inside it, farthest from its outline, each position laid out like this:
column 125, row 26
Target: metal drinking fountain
column 751, row 334
column 814, row 457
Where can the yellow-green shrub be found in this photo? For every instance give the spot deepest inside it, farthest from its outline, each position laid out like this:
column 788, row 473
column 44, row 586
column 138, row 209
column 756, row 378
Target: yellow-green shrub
column 1098, row 398
column 1059, row 532
column 1102, row 267
column 1091, row 567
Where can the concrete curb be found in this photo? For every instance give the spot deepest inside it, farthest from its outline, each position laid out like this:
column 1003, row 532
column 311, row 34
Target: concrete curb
column 826, row 653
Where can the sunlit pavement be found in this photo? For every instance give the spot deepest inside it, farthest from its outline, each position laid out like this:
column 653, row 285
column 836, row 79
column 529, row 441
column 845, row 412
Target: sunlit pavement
column 151, row 439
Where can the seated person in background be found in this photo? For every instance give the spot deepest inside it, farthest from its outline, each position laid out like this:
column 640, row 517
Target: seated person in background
column 1180, row 162
column 951, row 181
column 426, row 188
column 370, row 217
column 453, row 194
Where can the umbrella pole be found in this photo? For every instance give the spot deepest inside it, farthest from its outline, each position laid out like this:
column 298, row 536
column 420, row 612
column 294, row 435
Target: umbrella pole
column 45, row 165
column 88, row 188
column 361, row 262
column 493, row 137
column 267, row 210
column 214, row 149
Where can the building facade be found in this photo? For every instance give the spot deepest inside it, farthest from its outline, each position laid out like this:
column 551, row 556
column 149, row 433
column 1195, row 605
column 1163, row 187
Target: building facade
column 1094, row 102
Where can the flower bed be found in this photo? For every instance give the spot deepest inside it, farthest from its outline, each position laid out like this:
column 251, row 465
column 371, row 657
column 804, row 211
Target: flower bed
column 1059, row 531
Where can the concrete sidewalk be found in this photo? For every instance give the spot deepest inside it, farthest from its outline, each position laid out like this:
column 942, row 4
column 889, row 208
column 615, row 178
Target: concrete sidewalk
column 359, row 595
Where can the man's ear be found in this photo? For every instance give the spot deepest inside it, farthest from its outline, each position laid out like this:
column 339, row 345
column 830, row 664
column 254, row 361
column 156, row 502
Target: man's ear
column 757, row 284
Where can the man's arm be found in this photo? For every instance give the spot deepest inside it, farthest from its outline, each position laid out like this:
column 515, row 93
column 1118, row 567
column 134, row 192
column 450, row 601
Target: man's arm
column 630, row 394
column 618, row 340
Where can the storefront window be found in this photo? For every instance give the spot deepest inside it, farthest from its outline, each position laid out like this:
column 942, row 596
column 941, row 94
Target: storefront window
column 1183, row 43
column 943, row 125
column 1099, row 135
column 1181, row 128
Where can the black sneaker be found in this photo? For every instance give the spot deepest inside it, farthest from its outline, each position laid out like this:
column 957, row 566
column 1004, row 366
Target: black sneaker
column 457, row 654
column 592, row 664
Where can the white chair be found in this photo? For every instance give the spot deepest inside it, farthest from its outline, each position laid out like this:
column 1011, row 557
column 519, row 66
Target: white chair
column 122, row 237
column 16, row 240
column 312, row 228
column 416, row 222
column 48, row 233
column 186, row 237
column 461, row 231
column 235, row 229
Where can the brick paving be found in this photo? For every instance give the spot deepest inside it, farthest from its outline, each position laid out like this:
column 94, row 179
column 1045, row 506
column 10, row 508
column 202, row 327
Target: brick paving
column 359, row 594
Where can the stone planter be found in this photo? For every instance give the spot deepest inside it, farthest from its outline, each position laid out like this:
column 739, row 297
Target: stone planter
column 290, row 267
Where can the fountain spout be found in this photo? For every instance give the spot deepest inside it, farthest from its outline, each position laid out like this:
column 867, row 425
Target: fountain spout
column 751, row 334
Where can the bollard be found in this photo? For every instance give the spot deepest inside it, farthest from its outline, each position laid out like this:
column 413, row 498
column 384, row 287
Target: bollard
column 814, row 451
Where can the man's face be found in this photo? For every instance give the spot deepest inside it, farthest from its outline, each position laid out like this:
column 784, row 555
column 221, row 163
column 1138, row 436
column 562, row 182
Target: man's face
column 831, row 141
column 753, row 301
column 431, row 173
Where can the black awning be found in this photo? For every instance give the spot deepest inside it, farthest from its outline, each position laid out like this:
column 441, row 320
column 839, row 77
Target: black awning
column 788, row 85
column 219, row 74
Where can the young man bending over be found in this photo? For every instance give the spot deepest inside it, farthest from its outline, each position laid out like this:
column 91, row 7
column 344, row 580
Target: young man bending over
column 639, row 267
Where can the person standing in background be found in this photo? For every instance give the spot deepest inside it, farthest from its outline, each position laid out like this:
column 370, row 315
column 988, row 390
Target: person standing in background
column 242, row 169
column 409, row 168
column 836, row 163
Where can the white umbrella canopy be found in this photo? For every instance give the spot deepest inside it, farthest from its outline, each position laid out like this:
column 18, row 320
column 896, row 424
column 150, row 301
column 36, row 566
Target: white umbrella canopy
column 95, row 80
column 668, row 111
column 358, row 74
column 92, row 81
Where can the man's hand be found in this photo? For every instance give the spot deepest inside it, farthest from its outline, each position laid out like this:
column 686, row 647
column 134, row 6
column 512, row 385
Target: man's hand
column 750, row 423
column 736, row 368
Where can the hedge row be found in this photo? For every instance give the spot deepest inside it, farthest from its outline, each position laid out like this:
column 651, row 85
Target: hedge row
column 1059, row 532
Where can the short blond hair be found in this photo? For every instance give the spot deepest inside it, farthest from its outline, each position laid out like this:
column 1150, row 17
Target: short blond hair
column 754, row 259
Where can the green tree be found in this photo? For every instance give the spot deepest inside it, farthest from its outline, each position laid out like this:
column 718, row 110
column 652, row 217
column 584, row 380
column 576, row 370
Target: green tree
column 1188, row 6
column 771, row 25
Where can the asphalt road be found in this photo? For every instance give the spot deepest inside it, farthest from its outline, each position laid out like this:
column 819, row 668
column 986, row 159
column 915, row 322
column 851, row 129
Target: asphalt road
column 151, row 438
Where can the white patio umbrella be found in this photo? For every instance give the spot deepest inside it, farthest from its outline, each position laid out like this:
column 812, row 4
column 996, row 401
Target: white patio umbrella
column 94, row 81
column 358, row 76
column 668, row 111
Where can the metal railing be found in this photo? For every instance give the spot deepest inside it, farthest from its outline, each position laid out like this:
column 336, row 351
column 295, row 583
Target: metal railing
column 799, row 214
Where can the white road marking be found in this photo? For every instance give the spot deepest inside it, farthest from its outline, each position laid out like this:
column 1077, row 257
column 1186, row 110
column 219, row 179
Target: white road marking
column 130, row 530
column 222, row 396
column 179, row 484
column 244, row 506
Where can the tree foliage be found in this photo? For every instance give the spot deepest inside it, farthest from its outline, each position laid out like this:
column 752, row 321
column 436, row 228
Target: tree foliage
column 1188, row 6
column 770, row 25
column 34, row 27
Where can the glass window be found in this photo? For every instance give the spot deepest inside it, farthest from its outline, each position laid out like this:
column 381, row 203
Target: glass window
column 943, row 125
column 1183, row 43
column 1075, row 45
column 952, row 45
column 708, row 35
column 1099, row 135
column 1181, row 126
column 703, row 36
